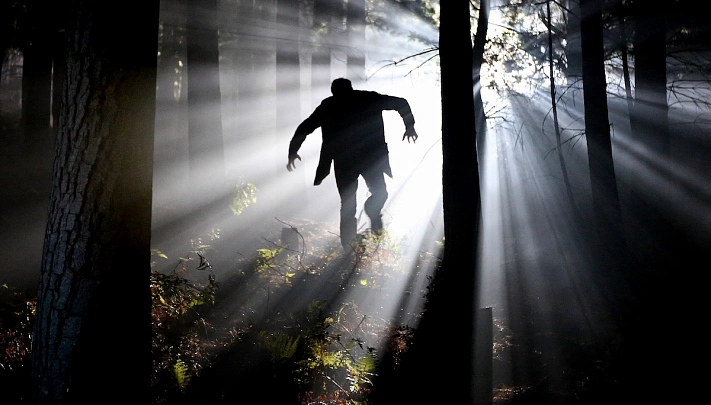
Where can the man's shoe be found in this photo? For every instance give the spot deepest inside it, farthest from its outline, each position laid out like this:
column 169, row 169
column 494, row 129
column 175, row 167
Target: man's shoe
column 376, row 224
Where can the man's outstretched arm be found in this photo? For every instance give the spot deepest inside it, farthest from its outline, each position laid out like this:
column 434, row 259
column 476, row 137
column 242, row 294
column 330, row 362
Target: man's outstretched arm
column 308, row 126
column 403, row 108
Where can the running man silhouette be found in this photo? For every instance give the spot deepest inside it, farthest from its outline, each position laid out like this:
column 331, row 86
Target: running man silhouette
column 353, row 135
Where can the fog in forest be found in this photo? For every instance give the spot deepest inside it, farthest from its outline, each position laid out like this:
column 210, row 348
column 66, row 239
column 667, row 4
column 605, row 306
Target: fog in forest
column 221, row 188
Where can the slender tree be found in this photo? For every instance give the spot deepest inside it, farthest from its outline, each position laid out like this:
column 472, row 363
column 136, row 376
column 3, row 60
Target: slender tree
column 649, row 117
column 455, row 282
column 482, row 28
column 321, row 57
column 573, row 56
column 650, row 113
column 355, row 20
column 664, row 253
column 93, row 314
column 9, row 16
column 288, row 77
column 37, row 73
column 606, row 205
column 554, row 109
column 207, row 165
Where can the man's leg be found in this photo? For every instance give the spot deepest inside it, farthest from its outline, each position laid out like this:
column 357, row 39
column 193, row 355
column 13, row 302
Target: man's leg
column 375, row 179
column 347, row 184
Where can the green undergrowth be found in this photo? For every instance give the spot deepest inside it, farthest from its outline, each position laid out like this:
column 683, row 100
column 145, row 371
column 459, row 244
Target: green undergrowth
column 296, row 322
column 296, row 315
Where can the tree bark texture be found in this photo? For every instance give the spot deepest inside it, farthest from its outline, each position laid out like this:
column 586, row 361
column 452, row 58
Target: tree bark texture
column 92, row 328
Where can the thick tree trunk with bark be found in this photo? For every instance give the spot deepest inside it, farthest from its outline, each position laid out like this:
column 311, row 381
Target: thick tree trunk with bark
column 92, row 329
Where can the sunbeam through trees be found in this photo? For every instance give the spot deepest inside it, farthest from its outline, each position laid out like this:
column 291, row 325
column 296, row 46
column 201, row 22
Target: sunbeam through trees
column 538, row 244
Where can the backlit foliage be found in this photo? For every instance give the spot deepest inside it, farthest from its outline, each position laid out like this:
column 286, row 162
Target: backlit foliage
column 245, row 195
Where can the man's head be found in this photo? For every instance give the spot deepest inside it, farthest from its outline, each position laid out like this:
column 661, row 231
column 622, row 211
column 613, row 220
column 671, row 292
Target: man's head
column 341, row 86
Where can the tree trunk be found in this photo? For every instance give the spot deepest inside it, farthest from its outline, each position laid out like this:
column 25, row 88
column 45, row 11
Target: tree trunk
column 663, row 254
column 453, row 294
column 573, row 54
column 288, row 78
column 205, row 144
column 554, row 109
column 477, row 60
column 93, row 314
column 622, row 38
column 482, row 354
column 171, row 137
column 649, row 122
column 7, row 30
column 321, row 57
column 606, row 206
column 355, row 20
column 650, row 69
column 59, row 65
column 37, row 77
column 288, row 85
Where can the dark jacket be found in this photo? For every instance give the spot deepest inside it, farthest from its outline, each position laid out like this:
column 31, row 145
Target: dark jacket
column 352, row 131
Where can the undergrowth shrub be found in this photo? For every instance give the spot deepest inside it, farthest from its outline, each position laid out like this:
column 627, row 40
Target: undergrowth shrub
column 17, row 314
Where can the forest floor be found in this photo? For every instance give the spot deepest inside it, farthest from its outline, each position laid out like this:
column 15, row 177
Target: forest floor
column 312, row 324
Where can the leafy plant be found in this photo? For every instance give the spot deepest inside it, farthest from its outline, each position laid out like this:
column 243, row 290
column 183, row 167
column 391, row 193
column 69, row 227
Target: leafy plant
column 266, row 258
column 280, row 346
column 244, row 196
column 180, row 370
column 17, row 313
column 179, row 351
column 335, row 369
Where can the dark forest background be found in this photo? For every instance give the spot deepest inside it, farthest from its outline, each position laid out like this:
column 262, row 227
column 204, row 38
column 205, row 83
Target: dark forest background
column 575, row 143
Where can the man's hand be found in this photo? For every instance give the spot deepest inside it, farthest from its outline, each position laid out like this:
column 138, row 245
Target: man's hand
column 410, row 134
column 291, row 166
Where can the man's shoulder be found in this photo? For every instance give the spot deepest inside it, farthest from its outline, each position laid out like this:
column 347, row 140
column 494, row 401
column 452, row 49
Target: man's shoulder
column 355, row 96
column 328, row 100
column 367, row 93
